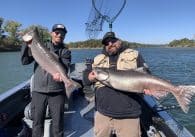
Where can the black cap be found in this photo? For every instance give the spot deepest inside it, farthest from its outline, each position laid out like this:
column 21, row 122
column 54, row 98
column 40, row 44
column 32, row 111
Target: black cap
column 107, row 36
column 59, row 27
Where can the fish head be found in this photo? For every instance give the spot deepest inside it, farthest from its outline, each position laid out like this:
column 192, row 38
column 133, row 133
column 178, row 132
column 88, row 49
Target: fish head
column 101, row 74
column 28, row 36
column 34, row 33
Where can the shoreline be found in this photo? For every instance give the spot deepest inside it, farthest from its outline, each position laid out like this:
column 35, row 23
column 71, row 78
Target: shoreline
column 18, row 49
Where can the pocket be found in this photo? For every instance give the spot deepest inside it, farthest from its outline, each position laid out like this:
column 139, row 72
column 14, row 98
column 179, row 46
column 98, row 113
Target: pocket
column 128, row 63
column 128, row 60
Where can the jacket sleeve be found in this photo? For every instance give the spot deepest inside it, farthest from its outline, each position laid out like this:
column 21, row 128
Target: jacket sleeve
column 86, row 81
column 86, row 72
column 26, row 55
column 65, row 58
column 142, row 66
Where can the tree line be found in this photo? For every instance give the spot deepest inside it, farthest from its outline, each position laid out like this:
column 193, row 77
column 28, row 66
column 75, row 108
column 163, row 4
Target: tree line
column 185, row 42
column 11, row 34
column 11, row 38
column 96, row 43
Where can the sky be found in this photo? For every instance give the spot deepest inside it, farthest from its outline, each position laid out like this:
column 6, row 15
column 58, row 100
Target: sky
column 142, row 21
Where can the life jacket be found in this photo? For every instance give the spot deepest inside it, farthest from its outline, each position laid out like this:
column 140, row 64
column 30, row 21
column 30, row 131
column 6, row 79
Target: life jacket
column 127, row 60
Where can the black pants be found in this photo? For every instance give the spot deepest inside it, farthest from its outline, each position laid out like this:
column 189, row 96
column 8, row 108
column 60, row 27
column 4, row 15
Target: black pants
column 55, row 101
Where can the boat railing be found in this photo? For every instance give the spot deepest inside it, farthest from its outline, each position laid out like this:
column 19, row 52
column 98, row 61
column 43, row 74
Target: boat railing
column 12, row 91
column 169, row 120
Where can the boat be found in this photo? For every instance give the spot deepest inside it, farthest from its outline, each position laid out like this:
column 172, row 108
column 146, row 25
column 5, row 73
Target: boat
column 78, row 117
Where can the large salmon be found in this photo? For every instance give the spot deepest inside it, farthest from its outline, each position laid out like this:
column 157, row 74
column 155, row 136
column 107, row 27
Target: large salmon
column 49, row 61
column 134, row 81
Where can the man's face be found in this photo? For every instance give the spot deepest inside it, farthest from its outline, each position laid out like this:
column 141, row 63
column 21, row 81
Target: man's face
column 58, row 36
column 112, row 46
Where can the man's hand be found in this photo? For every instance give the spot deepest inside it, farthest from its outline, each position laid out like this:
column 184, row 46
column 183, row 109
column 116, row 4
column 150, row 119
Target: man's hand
column 27, row 39
column 57, row 77
column 92, row 76
column 29, row 42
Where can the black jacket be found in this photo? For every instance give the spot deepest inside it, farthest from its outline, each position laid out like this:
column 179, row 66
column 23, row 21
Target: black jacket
column 112, row 102
column 43, row 82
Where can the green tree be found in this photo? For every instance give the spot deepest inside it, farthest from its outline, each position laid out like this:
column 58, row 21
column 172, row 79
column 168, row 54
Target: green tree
column 1, row 29
column 43, row 31
column 12, row 28
column 185, row 42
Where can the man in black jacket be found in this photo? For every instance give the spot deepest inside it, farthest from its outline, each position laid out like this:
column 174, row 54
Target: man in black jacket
column 117, row 112
column 48, row 90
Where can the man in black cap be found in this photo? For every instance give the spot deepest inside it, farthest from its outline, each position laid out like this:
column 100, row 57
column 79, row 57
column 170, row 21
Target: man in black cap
column 48, row 90
column 117, row 112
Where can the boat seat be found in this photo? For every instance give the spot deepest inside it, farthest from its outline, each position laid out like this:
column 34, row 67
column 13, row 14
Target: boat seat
column 28, row 114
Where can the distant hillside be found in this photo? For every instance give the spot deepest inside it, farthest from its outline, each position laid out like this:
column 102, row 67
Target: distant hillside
column 97, row 44
column 185, row 42
column 83, row 44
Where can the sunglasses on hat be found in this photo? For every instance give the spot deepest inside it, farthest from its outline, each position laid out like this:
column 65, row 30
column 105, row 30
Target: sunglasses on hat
column 112, row 40
column 62, row 33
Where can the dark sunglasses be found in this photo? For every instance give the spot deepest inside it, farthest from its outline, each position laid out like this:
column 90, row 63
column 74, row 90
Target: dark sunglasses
column 60, row 32
column 106, row 43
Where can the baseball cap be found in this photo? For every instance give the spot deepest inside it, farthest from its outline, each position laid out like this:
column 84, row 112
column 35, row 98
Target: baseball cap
column 59, row 27
column 108, row 36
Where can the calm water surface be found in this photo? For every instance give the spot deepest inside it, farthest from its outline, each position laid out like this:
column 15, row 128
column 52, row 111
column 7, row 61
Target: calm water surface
column 174, row 64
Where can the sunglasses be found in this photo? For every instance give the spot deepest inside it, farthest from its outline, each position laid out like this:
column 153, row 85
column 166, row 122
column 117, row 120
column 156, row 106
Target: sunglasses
column 106, row 43
column 60, row 32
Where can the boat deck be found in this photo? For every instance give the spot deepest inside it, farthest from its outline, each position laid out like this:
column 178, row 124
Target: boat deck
column 75, row 124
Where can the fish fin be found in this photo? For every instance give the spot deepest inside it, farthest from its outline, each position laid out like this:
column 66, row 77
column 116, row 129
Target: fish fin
column 72, row 87
column 156, row 94
column 141, row 70
column 184, row 95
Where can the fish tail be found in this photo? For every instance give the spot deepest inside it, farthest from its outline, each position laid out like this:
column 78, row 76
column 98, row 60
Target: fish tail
column 184, row 95
column 71, row 86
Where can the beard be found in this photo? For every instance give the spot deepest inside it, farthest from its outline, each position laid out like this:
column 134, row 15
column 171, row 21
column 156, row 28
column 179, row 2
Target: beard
column 112, row 53
column 113, row 50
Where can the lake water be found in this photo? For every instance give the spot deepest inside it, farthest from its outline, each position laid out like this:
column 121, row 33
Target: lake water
column 174, row 64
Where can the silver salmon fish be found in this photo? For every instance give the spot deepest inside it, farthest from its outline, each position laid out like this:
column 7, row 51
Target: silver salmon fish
column 49, row 61
column 134, row 81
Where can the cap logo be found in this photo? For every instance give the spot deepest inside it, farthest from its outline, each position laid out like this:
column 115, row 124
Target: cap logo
column 60, row 26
